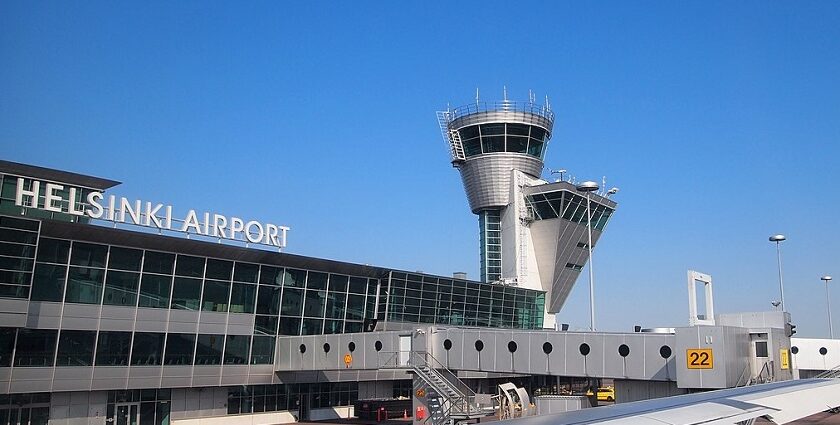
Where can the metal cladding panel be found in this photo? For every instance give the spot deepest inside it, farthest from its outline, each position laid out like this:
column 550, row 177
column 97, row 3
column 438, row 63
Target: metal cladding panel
column 72, row 378
column 501, row 115
column 240, row 324
column 235, row 375
column 43, row 315
column 105, row 378
column 487, row 177
column 151, row 320
column 730, row 352
column 31, row 379
column 13, row 312
column 183, row 321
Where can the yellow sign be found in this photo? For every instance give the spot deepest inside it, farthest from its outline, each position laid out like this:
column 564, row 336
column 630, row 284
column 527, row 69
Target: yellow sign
column 699, row 358
column 785, row 358
column 348, row 358
column 420, row 393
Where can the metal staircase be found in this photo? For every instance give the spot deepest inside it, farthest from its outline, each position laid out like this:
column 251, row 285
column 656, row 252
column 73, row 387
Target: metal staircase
column 452, row 137
column 830, row 374
column 449, row 399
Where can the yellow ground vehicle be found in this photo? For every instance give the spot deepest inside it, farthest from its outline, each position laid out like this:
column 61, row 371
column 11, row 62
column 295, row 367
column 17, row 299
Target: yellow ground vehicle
column 604, row 393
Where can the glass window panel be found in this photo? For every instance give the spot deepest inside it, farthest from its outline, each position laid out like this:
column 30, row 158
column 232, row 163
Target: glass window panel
column 292, row 302
column 186, row 294
column 113, row 348
column 121, row 288
column 312, row 327
column 268, row 301
column 218, row 269
column 271, row 275
column 208, row 350
column 125, row 259
column 333, row 326
column 242, row 298
column 262, row 351
column 294, row 277
column 490, row 144
column 315, row 303
column 468, row 132
column 84, row 285
column 517, row 144
column 7, row 344
column 338, row 283
column 316, row 280
column 88, row 254
column 179, row 349
column 18, row 236
column 236, row 349
column 158, row 262
column 335, row 305
column 472, row 146
column 190, row 266
column 289, row 326
column 154, row 291
column 53, row 250
column 48, row 282
column 35, row 347
column 358, row 285
column 147, row 349
column 215, row 296
column 351, row 327
column 356, row 307
column 161, row 412
column 535, row 148
column 246, row 272
column 17, row 250
column 492, row 129
column 266, row 325
column 538, row 134
column 147, row 413
column 19, row 223
column 75, row 348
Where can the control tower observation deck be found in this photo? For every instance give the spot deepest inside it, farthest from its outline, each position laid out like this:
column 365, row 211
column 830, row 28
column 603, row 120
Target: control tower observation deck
column 532, row 233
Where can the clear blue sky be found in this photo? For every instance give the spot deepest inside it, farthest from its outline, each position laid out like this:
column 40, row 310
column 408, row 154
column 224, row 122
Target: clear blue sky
column 719, row 122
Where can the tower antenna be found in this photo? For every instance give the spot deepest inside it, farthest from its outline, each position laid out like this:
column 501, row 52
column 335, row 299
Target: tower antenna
column 504, row 92
column 476, row 95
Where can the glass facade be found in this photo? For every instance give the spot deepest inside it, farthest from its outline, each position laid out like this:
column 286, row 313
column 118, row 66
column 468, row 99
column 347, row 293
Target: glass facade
column 504, row 137
column 458, row 302
column 490, row 238
column 568, row 205
column 8, row 191
column 270, row 398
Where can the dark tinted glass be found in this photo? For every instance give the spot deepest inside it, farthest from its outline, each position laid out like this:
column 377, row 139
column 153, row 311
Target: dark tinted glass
column 314, row 304
column 215, row 296
column 316, row 280
column 265, row 325
column 268, row 301
column 218, row 269
column 186, row 294
column 271, row 275
column 208, row 350
column 84, row 285
column 154, row 291
column 7, row 344
column 158, row 262
column 312, row 327
column 53, row 250
column 113, row 348
column 296, row 278
column 88, row 254
column 121, row 288
column 125, row 259
column 236, row 349
column 179, row 349
column 242, row 298
column 147, row 349
column 35, row 347
column 358, row 285
column 48, row 283
column 75, row 348
column 338, row 283
column 289, row 326
column 245, row 272
column 292, row 302
column 263, row 350
column 190, row 266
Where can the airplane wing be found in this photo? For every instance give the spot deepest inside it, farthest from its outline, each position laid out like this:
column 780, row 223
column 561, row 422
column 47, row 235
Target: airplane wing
column 779, row 402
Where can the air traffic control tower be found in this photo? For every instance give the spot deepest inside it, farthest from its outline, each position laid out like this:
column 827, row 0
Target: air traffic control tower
column 532, row 233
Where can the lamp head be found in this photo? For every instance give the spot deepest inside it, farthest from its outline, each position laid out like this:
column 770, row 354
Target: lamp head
column 826, row 278
column 777, row 238
column 587, row 186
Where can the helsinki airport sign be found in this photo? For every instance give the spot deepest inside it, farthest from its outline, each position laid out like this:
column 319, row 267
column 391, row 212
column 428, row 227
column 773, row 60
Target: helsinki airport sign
column 148, row 214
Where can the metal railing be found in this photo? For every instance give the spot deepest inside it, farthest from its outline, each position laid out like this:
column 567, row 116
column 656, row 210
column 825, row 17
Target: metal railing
column 458, row 398
column 832, row 373
column 502, row 106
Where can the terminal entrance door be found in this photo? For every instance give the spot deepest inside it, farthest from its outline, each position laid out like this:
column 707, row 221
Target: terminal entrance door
column 405, row 349
column 128, row 413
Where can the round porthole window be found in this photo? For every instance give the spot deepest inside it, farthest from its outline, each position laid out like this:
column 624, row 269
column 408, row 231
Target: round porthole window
column 623, row 350
column 547, row 348
column 794, row 349
column 351, row 346
column 326, row 347
column 302, row 348
column 584, row 349
column 479, row 345
column 378, row 345
column 447, row 344
column 823, row 351
column 512, row 346
column 665, row 351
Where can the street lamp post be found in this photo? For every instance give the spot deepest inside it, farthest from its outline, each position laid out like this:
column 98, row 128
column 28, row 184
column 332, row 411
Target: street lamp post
column 828, row 302
column 778, row 239
column 588, row 187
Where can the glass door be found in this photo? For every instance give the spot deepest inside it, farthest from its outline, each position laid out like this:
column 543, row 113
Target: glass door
column 128, row 413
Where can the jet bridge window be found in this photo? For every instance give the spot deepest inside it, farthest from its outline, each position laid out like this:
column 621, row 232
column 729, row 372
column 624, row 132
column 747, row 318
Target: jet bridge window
column 761, row 348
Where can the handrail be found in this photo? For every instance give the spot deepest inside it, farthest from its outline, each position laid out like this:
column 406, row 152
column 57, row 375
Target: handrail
column 744, row 373
column 502, row 106
column 832, row 373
